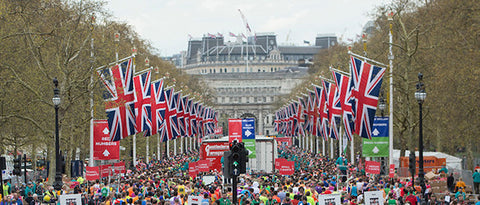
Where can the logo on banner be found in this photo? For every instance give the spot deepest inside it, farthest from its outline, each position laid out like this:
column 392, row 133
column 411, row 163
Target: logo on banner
column 103, row 148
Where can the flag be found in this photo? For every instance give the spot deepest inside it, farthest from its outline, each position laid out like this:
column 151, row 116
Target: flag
column 158, row 107
column 219, row 35
column 143, row 103
column 171, row 121
column 329, row 92
column 335, row 112
column 312, row 114
column 193, row 118
column 190, row 37
column 248, row 28
column 186, row 117
column 301, row 116
column 367, row 80
column 119, row 99
column 200, row 112
column 345, row 90
column 232, row 34
column 211, row 35
column 243, row 35
column 180, row 114
column 322, row 113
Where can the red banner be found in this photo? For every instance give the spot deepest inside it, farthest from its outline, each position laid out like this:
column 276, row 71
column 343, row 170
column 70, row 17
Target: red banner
column 391, row 173
column 105, row 170
column 218, row 130
column 192, row 169
column 234, row 130
column 372, row 167
column 213, row 151
column 284, row 166
column 203, row 165
column 92, row 173
column 103, row 149
column 119, row 167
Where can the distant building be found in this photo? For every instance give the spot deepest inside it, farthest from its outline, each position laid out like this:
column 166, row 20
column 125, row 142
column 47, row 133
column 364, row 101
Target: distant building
column 250, row 76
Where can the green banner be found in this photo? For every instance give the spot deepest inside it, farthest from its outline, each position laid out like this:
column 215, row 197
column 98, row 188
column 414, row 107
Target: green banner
column 376, row 147
column 250, row 146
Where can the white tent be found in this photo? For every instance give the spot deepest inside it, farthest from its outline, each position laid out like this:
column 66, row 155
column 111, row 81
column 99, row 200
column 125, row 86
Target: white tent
column 452, row 161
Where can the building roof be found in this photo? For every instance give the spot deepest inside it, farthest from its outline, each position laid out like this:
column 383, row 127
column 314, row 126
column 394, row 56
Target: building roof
column 299, row 50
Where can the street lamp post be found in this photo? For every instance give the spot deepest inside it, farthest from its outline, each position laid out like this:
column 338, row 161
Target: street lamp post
column 420, row 96
column 58, row 166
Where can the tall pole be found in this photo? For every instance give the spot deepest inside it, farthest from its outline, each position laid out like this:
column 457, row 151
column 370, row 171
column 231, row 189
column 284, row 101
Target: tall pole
column 58, row 165
column 390, row 106
column 158, row 146
column 420, row 154
column 90, row 161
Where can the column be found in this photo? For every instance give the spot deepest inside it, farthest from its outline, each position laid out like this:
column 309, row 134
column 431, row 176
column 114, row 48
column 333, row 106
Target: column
column 260, row 122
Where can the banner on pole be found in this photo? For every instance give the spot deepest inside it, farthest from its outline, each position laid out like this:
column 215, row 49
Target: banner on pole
column 105, row 170
column 92, row 173
column 372, row 167
column 374, row 198
column 284, row 166
column 234, row 130
column 329, row 199
column 70, row 199
column 378, row 145
column 103, row 148
column 119, row 167
column 248, row 136
column 391, row 173
column 192, row 169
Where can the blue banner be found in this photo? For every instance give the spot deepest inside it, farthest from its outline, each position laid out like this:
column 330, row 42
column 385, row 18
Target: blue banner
column 248, row 128
column 380, row 127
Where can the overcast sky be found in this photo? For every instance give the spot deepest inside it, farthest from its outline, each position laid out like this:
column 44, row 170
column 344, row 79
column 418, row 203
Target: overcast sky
column 167, row 24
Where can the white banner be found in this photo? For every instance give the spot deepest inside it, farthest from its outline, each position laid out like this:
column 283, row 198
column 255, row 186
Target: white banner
column 374, row 197
column 71, row 199
column 195, row 200
column 329, row 199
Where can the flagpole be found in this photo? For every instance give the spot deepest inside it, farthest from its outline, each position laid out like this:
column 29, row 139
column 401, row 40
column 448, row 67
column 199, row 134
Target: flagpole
column 323, row 146
column 390, row 106
column 175, row 146
column 331, row 149
column 340, row 143
column 352, row 152
column 148, row 141
column 90, row 161
column 158, row 146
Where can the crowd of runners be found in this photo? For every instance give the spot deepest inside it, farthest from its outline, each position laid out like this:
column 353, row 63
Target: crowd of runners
column 167, row 182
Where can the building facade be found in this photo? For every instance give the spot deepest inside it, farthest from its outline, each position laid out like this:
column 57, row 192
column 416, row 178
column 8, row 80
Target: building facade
column 250, row 76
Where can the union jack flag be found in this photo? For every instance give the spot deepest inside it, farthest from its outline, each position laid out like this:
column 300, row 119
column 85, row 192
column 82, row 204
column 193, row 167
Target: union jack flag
column 321, row 131
column 300, row 117
column 367, row 80
column 334, row 111
column 329, row 92
column 119, row 99
column 158, row 106
column 345, row 89
column 193, row 118
column 142, row 103
column 180, row 114
column 186, row 117
column 200, row 113
column 171, row 121
column 312, row 114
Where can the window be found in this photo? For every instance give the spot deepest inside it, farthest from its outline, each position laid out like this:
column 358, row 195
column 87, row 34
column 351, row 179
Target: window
column 225, row 70
column 210, row 70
